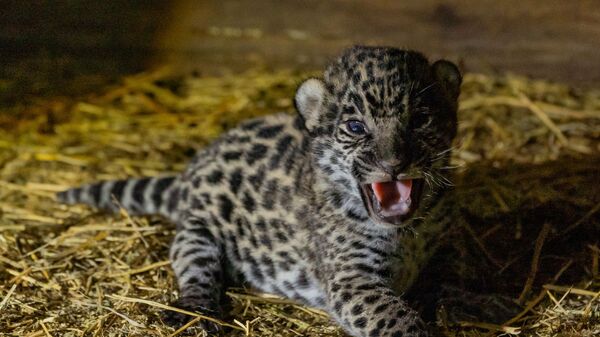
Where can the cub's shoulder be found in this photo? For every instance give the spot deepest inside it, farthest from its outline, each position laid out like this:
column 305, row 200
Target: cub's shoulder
column 270, row 126
column 252, row 141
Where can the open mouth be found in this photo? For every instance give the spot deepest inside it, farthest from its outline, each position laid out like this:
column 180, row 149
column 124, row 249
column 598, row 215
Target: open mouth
column 392, row 201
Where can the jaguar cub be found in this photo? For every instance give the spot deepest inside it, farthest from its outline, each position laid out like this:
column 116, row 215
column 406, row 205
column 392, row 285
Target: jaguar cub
column 311, row 207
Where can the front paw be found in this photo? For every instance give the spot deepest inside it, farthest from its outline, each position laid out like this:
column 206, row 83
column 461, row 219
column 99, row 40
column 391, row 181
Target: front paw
column 176, row 319
column 459, row 305
column 404, row 325
column 409, row 325
column 416, row 328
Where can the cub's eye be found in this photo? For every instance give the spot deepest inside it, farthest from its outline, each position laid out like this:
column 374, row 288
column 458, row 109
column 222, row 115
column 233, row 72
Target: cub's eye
column 356, row 127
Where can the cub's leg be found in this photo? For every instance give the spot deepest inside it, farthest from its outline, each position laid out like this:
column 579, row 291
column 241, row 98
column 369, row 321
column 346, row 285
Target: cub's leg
column 196, row 259
column 367, row 307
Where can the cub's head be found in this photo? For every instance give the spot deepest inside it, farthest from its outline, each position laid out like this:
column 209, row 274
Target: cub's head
column 381, row 123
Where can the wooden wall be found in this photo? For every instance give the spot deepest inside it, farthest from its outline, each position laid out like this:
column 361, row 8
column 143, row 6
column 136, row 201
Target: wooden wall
column 60, row 41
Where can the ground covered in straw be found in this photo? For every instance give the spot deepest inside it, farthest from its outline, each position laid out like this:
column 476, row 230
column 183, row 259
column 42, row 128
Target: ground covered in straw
column 525, row 208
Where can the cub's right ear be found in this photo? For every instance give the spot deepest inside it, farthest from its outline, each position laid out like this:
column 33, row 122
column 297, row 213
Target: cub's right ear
column 449, row 76
column 309, row 99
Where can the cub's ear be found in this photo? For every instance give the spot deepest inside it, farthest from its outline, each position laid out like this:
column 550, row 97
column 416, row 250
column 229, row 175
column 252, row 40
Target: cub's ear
column 309, row 99
column 449, row 76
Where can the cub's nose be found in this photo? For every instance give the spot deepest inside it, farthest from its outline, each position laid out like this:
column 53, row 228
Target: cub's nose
column 394, row 166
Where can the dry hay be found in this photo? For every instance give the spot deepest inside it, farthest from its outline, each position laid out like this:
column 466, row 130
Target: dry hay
column 525, row 148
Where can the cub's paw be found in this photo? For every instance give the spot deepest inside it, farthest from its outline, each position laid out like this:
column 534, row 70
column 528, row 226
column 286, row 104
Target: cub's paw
column 176, row 319
column 460, row 305
column 405, row 325
column 417, row 328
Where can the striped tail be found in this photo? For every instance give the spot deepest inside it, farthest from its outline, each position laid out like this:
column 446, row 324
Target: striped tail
column 138, row 196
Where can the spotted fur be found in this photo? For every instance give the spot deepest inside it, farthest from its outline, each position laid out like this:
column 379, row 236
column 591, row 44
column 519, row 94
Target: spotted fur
column 277, row 199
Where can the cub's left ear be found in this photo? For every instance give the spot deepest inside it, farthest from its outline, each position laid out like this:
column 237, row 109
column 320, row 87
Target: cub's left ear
column 309, row 99
column 449, row 76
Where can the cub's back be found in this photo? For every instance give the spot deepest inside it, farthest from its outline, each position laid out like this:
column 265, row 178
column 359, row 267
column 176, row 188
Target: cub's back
column 253, row 167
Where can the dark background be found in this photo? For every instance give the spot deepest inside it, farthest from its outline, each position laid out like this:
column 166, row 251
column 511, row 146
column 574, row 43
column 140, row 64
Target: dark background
column 71, row 47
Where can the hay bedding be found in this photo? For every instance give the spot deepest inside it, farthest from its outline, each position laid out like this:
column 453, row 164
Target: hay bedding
column 526, row 205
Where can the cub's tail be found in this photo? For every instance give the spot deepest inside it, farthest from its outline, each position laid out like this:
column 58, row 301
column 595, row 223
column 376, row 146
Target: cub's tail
column 138, row 196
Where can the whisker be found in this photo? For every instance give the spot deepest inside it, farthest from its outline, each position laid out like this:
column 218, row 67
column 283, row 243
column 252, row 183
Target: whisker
column 427, row 179
column 446, row 181
column 452, row 167
column 446, row 151
column 426, row 88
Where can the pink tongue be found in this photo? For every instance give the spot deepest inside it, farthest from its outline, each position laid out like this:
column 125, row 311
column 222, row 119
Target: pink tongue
column 393, row 192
